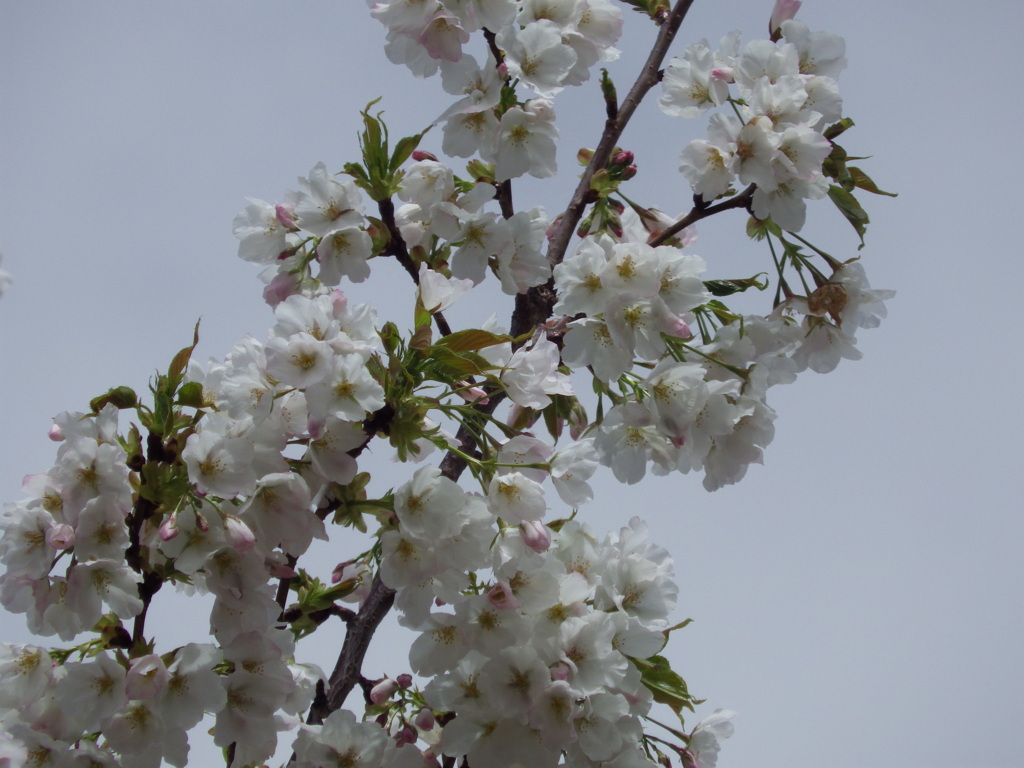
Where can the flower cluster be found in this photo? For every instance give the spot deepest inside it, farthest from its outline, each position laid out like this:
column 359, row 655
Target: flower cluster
column 536, row 642
column 79, row 506
column 541, row 660
column 543, row 45
column 787, row 95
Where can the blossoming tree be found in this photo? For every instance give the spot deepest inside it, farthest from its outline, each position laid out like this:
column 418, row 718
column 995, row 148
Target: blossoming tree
column 538, row 640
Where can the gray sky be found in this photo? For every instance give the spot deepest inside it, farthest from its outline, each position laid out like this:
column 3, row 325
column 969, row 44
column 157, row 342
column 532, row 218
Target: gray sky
column 858, row 599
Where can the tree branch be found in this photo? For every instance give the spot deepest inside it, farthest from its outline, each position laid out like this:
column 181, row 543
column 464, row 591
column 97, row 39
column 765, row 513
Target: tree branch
column 401, row 252
column 357, row 639
column 532, row 309
column 742, row 200
column 648, row 78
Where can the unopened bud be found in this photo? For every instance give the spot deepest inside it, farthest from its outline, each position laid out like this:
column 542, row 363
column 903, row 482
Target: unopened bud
column 584, row 156
column 678, row 328
column 60, row 536
column 280, row 288
column 404, row 680
column 406, row 735
column 285, row 214
column 382, row 691
column 238, row 535
column 424, row 719
column 784, row 10
column 535, row 535
column 339, row 571
column 623, row 157
column 169, row 527
column 419, row 155
column 472, row 394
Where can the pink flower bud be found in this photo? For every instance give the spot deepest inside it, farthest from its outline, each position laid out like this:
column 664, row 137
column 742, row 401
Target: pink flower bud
column 678, row 328
column 382, row 691
column 169, row 527
column 404, row 680
column 201, row 523
column 338, row 574
column 280, row 288
column 624, row 157
column 535, row 535
column 472, row 394
column 285, row 214
column 60, row 536
column 406, row 735
column 238, row 535
column 56, row 433
column 424, row 719
column 500, row 596
column 503, row 70
column 784, row 10
column 420, row 155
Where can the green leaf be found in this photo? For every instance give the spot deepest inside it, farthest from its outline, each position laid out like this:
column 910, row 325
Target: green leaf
column 850, row 208
column 667, row 686
column 453, row 366
column 404, row 149
column 863, row 181
column 759, row 229
column 729, row 287
column 471, row 340
column 119, row 397
column 608, row 90
column 181, row 359
column 480, row 171
column 601, row 182
column 837, row 129
column 420, row 339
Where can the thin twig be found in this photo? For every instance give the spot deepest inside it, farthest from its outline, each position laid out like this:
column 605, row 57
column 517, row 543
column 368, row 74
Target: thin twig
column 647, row 79
column 400, row 251
column 742, row 200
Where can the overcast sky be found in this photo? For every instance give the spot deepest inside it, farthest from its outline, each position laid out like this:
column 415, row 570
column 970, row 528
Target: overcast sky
column 858, row 599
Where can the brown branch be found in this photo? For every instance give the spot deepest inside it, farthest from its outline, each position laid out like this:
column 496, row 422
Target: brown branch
column 357, row 640
column 400, row 251
column 532, row 309
column 702, row 211
column 647, row 79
